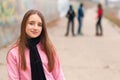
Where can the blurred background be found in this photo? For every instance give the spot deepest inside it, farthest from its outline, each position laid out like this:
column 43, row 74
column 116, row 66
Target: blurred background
column 12, row 11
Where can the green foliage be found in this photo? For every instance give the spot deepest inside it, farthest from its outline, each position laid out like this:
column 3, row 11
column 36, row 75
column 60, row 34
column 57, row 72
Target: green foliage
column 7, row 9
column 112, row 17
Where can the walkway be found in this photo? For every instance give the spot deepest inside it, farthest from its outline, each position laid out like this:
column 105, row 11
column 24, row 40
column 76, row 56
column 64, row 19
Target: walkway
column 88, row 57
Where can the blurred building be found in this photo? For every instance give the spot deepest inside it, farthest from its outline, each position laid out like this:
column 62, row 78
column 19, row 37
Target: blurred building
column 12, row 11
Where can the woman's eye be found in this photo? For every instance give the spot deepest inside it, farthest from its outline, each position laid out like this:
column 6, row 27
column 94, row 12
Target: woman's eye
column 39, row 24
column 31, row 23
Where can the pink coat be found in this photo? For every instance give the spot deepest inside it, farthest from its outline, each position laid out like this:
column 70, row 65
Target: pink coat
column 15, row 74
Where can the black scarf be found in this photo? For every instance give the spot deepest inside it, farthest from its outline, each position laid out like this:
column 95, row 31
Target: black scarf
column 37, row 70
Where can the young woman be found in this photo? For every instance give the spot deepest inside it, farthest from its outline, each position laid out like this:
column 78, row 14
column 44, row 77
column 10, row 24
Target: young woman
column 33, row 56
column 99, row 30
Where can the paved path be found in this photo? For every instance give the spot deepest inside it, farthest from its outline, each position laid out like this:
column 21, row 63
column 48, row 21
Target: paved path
column 84, row 57
column 88, row 57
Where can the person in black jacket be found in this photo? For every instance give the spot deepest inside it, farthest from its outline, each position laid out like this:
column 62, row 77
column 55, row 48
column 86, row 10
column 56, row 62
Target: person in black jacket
column 70, row 15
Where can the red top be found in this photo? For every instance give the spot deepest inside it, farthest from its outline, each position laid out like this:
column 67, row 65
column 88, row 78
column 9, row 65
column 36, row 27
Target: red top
column 99, row 12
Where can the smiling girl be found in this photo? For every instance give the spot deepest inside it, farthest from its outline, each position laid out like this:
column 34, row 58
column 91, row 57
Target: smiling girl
column 33, row 57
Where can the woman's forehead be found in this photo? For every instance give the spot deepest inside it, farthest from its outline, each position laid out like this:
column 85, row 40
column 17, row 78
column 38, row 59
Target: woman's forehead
column 34, row 17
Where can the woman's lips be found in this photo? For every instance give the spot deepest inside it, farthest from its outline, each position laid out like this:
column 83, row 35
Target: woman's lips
column 34, row 32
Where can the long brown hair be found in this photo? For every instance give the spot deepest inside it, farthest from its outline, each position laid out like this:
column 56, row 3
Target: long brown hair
column 46, row 44
column 99, row 5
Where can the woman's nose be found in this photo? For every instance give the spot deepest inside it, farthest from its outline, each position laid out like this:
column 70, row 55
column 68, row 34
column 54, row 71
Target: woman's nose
column 35, row 26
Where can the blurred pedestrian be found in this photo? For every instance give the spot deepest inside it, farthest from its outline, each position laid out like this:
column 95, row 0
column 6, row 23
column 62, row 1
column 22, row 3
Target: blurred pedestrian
column 99, row 30
column 70, row 15
column 80, row 19
column 33, row 57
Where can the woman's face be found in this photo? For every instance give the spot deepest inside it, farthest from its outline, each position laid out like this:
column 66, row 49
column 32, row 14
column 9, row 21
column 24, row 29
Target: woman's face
column 33, row 26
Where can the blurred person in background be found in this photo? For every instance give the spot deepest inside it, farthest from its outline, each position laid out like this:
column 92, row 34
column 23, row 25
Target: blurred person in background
column 80, row 19
column 99, row 30
column 33, row 56
column 70, row 15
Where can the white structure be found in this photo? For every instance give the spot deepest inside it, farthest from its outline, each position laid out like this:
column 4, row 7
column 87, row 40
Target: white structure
column 63, row 6
column 119, row 14
column 106, row 1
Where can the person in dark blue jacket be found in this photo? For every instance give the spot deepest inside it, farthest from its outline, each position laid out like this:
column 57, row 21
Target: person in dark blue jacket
column 80, row 18
column 70, row 15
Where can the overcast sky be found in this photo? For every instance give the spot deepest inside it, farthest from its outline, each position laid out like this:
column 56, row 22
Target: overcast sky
column 114, row 0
